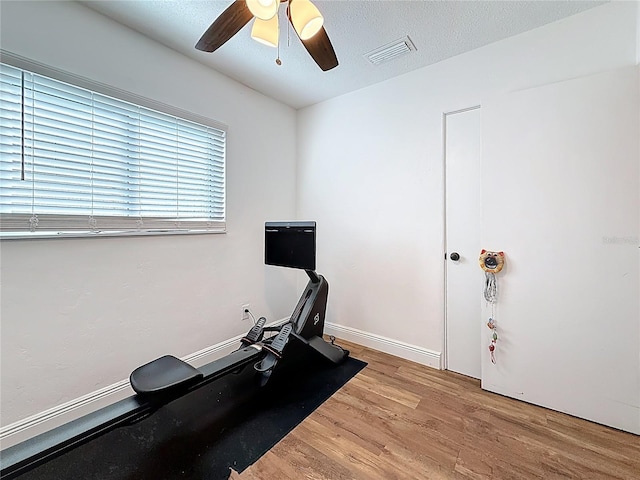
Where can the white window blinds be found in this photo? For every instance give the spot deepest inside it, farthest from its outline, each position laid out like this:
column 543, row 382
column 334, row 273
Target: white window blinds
column 73, row 160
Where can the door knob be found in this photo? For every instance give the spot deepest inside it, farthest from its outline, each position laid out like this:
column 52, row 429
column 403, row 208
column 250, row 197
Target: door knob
column 455, row 256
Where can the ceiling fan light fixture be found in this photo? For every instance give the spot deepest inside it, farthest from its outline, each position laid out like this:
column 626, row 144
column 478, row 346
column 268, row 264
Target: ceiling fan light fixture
column 266, row 31
column 306, row 18
column 263, row 9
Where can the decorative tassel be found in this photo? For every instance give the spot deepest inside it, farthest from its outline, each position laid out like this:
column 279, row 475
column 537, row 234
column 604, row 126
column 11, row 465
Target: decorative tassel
column 494, row 338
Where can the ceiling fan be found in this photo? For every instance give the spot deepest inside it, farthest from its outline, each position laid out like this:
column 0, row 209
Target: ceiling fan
column 302, row 14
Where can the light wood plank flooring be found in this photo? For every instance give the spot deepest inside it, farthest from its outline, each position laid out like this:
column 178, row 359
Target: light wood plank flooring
column 400, row 420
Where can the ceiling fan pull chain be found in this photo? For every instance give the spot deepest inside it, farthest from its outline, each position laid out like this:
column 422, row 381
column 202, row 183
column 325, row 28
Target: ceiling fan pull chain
column 278, row 61
column 288, row 27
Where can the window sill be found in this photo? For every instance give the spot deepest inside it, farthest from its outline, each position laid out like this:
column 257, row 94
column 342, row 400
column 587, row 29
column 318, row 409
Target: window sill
column 99, row 234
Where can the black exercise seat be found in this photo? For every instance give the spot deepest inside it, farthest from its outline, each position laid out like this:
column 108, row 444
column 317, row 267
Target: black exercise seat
column 162, row 380
column 164, row 375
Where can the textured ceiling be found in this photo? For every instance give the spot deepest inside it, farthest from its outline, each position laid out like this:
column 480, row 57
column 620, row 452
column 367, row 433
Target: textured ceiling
column 439, row 30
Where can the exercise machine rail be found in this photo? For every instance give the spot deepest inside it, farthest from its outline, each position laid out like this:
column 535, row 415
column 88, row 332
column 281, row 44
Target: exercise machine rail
column 24, row 456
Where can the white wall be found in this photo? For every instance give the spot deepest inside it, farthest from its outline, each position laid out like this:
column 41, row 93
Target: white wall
column 81, row 314
column 371, row 170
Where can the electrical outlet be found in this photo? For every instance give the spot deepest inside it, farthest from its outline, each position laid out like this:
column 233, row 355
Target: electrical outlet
column 245, row 312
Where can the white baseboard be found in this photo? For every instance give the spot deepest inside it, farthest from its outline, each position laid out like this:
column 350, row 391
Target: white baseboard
column 386, row 345
column 29, row 427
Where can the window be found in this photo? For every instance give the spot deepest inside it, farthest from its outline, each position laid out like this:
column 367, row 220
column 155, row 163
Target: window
column 75, row 161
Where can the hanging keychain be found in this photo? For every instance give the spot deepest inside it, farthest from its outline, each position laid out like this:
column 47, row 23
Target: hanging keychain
column 491, row 263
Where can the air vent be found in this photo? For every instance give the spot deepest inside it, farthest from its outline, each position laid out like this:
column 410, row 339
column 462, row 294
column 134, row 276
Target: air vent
column 390, row 51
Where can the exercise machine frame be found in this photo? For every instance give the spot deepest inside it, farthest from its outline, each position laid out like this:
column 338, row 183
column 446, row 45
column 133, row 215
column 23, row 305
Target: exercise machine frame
column 168, row 378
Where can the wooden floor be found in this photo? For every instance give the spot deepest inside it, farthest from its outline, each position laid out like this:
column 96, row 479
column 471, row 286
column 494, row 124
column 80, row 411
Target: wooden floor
column 400, row 420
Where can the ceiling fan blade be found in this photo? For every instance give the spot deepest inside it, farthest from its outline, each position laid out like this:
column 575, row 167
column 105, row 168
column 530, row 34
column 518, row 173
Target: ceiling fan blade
column 230, row 22
column 320, row 48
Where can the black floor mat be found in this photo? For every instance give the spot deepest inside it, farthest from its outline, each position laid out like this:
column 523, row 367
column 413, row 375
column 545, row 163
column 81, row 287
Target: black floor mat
column 230, row 423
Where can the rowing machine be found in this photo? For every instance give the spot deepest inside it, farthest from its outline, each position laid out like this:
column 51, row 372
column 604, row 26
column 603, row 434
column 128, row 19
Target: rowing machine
column 169, row 378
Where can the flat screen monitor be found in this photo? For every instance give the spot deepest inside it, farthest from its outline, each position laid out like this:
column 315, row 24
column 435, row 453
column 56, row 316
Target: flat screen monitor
column 290, row 244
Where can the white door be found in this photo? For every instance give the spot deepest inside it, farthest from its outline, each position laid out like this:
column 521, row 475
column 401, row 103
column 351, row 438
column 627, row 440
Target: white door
column 561, row 182
column 463, row 276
